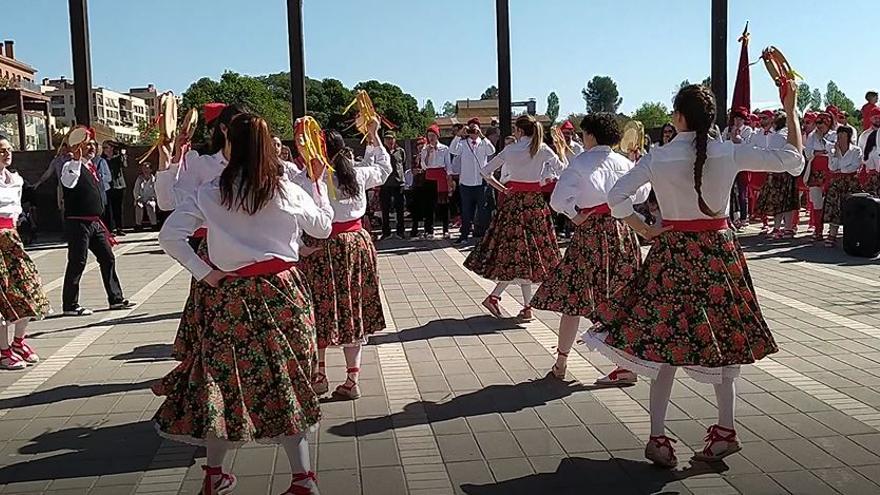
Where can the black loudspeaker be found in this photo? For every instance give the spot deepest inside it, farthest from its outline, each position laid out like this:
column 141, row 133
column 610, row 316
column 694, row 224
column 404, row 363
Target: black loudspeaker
column 861, row 225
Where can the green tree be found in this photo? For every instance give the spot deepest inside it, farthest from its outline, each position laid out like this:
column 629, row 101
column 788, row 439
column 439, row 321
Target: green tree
column 834, row 96
column 552, row 107
column 601, row 95
column 804, row 97
column 816, row 99
column 149, row 134
column 652, row 114
column 400, row 108
column 491, row 93
column 448, row 109
column 428, row 110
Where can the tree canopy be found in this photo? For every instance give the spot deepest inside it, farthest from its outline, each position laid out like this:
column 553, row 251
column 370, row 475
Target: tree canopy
column 601, row 95
column 491, row 93
column 652, row 114
column 448, row 109
column 552, row 107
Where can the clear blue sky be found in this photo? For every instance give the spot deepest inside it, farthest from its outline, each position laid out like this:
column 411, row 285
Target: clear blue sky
column 445, row 50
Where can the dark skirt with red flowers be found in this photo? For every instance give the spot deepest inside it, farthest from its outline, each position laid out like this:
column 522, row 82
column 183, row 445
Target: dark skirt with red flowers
column 520, row 244
column 692, row 305
column 778, row 195
column 21, row 291
column 603, row 257
column 842, row 185
column 344, row 283
column 248, row 373
column 192, row 319
column 872, row 184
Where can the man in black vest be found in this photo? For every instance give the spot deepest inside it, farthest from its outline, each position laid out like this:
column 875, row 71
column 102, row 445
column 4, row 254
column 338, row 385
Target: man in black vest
column 84, row 230
column 392, row 190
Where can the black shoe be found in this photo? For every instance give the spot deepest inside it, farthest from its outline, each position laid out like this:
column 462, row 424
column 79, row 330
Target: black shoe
column 123, row 304
column 78, row 311
column 119, row 233
column 460, row 241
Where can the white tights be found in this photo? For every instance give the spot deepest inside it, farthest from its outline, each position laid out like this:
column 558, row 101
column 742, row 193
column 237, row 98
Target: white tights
column 352, row 355
column 19, row 329
column 661, row 390
column 526, row 291
column 296, row 447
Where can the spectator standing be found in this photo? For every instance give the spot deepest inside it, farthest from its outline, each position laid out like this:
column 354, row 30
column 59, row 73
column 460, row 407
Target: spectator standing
column 117, row 160
column 144, row 193
column 391, row 192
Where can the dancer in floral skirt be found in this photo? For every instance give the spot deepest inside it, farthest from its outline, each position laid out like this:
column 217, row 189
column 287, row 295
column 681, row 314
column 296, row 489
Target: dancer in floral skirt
column 817, row 173
column 846, row 159
column 604, row 254
column 248, row 373
column 692, row 303
column 520, row 245
column 779, row 194
column 342, row 271
column 22, row 297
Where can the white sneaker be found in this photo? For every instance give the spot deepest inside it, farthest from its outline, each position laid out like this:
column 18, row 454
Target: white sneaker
column 618, row 377
column 447, row 235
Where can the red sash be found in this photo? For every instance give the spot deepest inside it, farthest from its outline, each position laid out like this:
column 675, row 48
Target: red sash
column 439, row 176
column 200, row 233
column 549, row 187
column 516, row 186
column 757, row 179
column 819, row 163
column 602, row 209
column 349, row 226
column 268, row 267
column 701, row 225
column 111, row 239
column 7, row 223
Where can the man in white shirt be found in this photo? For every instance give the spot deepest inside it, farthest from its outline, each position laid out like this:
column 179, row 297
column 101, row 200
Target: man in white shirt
column 869, row 141
column 738, row 131
column 472, row 148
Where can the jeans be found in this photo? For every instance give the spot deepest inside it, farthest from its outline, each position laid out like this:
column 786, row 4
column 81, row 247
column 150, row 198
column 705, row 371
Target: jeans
column 471, row 202
column 484, row 212
column 742, row 196
column 434, row 208
column 388, row 196
column 84, row 236
column 114, row 198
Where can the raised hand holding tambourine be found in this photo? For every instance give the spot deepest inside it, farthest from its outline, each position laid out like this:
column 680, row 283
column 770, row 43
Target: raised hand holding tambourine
column 780, row 70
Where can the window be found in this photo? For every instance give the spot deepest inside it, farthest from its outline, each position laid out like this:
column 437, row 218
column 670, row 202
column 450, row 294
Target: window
column 58, row 100
column 58, row 112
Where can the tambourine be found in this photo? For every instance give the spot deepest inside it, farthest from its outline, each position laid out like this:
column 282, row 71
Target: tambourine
column 366, row 112
column 187, row 126
column 168, row 120
column 779, row 68
column 309, row 137
column 78, row 138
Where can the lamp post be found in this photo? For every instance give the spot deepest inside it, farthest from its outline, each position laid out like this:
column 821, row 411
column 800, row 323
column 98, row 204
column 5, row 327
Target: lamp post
column 719, row 60
column 82, row 60
column 297, row 58
column 502, row 32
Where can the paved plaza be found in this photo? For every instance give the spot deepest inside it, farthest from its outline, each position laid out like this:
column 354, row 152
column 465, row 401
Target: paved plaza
column 456, row 402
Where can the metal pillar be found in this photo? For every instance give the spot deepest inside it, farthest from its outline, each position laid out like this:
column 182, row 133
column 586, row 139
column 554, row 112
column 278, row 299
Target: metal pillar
column 297, row 58
column 719, row 59
column 82, row 60
column 22, row 141
column 502, row 33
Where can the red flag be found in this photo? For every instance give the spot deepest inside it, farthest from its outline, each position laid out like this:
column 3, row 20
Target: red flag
column 742, row 92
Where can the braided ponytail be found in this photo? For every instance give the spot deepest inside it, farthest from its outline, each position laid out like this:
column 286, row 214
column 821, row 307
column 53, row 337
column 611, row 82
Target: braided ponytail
column 697, row 104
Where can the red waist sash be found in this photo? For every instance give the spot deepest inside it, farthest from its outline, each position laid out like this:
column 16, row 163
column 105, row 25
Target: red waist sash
column 111, row 239
column 516, row 186
column 7, row 223
column 438, row 175
column 701, row 225
column 200, row 233
column 349, row 226
column 271, row 266
column 819, row 164
column 549, row 187
column 602, row 209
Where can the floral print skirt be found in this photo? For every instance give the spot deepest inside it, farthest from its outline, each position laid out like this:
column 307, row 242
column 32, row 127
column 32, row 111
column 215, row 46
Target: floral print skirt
column 778, row 195
column 344, row 282
column 248, row 373
column 603, row 256
column 842, row 185
column 692, row 305
column 192, row 319
column 872, row 184
column 520, row 244
column 22, row 291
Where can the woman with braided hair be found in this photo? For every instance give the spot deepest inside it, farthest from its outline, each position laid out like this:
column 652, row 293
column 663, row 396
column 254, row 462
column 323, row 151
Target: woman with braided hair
column 692, row 303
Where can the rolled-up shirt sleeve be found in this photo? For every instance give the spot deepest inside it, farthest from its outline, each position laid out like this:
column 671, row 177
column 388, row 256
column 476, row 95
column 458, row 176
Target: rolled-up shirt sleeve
column 621, row 195
column 181, row 224
column 70, row 173
column 754, row 159
column 494, row 164
column 565, row 194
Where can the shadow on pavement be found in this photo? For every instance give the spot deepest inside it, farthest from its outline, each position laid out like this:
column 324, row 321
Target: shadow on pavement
column 127, row 320
column 494, row 398
column 150, row 353
column 67, row 392
column 88, row 451
column 579, row 475
column 800, row 249
column 449, row 327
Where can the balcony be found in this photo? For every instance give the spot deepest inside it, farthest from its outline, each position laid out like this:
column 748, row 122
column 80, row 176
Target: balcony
column 19, row 84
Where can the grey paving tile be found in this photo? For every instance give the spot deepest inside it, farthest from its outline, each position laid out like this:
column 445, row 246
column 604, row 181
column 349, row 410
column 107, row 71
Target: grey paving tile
column 458, row 448
column 846, row 450
column 506, row 469
column 468, row 472
column 382, row 480
column 498, row 445
column 576, row 439
column 807, row 454
column 841, row 423
column 847, row 481
column 537, row 442
column 768, row 458
column 378, row 453
column 615, row 436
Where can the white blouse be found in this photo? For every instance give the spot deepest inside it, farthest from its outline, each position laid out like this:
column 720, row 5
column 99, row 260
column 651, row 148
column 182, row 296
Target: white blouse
column 849, row 163
column 520, row 166
column 10, row 194
column 817, row 143
column 745, row 133
column 440, row 157
column 181, row 181
column 873, row 161
column 236, row 239
column 588, row 178
column 371, row 172
column 670, row 170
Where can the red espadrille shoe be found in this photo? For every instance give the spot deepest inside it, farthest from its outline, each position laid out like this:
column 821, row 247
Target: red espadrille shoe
column 525, row 315
column 559, row 371
column 303, row 484
column 349, row 390
column 319, row 382
column 217, row 482
column 720, row 443
column 491, row 303
column 10, row 361
column 659, row 451
column 24, row 351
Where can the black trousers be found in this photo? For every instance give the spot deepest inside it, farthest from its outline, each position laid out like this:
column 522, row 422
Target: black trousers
column 392, row 196
column 83, row 236
column 435, row 209
column 114, row 198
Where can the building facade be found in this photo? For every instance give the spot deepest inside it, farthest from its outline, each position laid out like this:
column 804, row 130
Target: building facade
column 24, row 110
